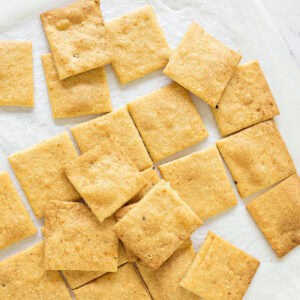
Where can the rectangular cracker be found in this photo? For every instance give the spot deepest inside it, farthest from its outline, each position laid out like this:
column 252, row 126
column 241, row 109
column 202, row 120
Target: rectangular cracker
column 120, row 126
column 23, row 276
column 79, row 278
column 16, row 84
column 277, row 215
column 82, row 94
column 124, row 284
column 77, row 37
column 41, row 174
column 157, row 225
column 105, row 177
column 201, row 181
column 92, row 248
column 202, row 64
column 247, row 100
column 163, row 283
column 15, row 222
column 139, row 44
column 154, row 116
column 220, row 270
column 257, row 157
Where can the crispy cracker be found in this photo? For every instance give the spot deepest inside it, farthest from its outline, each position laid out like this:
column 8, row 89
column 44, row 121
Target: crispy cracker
column 40, row 172
column 79, row 278
column 75, row 240
column 157, row 225
column 77, row 37
column 23, row 276
column 105, row 177
column 277, row 214
column 151, row 178
column 15, row 222
column 124, row 284
column 163, row 283
column 256, row 157
column 140, row 46
column 119, row 125
column 167, row 120
column 247, row 100
column 220, row 270
column 202, row 64
column 16, row 84
column 82, row 94
column 201, row 181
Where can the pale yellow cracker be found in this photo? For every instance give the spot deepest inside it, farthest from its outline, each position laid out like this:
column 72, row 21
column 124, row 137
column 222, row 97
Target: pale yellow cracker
column 119, row 125
column 167, row 120
column 105, row 177
column 157, row 225
column 220, row 271
column 201, row 181
column 151, row 178
column 16, row 74
column 40, row 171
column 256, row 157
column 15, row 222
column 124, row 284
column 277, row 214
column 202, row 64
column 139, row 44
column 163, row 283
column 23, row 276
column 82, row 94
column 79, row 278
column 77, row 37
column 247, row 100
column 76, row 240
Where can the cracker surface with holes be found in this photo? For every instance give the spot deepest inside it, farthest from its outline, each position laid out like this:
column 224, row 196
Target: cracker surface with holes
column 220, row 270
column 202, row 64
column 277, row 215
column 247, row 100
column 201, row 181
column 157, row 225
column 256, row 157
column 139, row 44
column 82, row 94
column 77, row 37
column 40, row 171
column 167, row 120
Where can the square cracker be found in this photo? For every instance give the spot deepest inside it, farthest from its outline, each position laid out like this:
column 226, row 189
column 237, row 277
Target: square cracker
column 77, row 37
column 247, row 100
column 75, row 240
column 82, row 94
column 163, row 283
column 119, row 125
column 125, row 284
column 157, row 225
column 15, row 222
column 256, row 157
column 167, row 120
column 16, row 84
column 277, row 214
column 201, row 181
column 202, row 64
column 23, row 276
column 220, row 270
column 139, row 44
column 105, row 177
column 40, row 171
column 79, row 278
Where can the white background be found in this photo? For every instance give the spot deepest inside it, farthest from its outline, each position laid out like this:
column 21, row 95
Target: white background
column 245, row 26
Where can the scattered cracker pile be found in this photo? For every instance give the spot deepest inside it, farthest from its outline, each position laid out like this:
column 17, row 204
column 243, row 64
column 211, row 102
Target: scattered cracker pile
column 114, row 227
